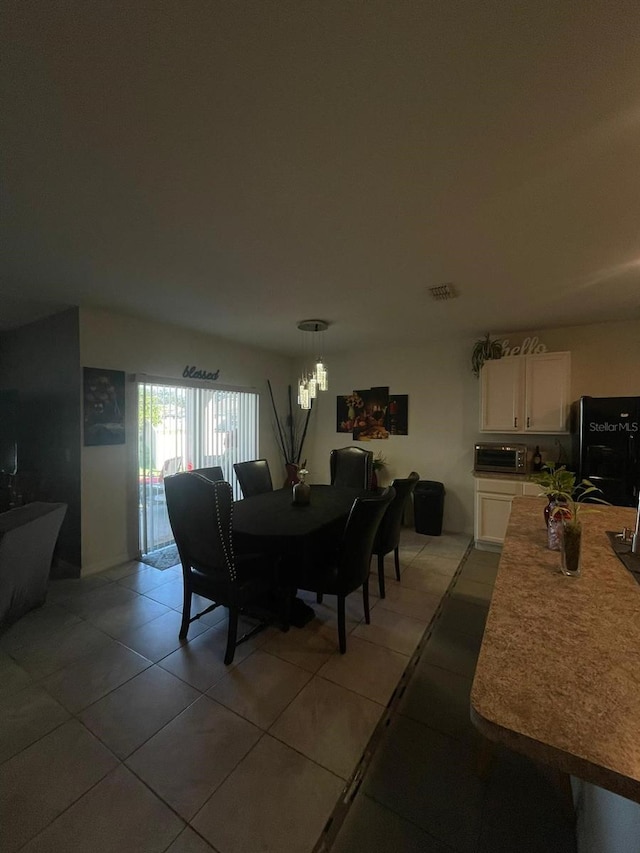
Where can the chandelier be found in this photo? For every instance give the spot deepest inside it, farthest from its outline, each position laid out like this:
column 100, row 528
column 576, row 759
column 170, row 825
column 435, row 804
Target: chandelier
column 313, row 378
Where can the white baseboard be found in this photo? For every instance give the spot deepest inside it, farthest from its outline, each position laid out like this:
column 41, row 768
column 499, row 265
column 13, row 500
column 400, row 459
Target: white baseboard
column 102, row 565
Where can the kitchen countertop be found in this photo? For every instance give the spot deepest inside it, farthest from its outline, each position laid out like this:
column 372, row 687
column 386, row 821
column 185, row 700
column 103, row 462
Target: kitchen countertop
column 558, row 676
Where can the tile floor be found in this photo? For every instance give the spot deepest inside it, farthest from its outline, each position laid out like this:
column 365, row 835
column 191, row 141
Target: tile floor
column 114, row 736
column 420, row 790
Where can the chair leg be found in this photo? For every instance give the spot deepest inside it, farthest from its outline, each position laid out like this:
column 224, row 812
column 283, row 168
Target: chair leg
column 232, row 635
column 381, row 574
column 365, row 601
column 342, row 633
column 186, row 614
column 396, row 556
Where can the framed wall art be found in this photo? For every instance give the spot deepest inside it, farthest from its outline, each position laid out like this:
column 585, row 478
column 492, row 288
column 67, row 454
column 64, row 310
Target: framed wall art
column 103, row 406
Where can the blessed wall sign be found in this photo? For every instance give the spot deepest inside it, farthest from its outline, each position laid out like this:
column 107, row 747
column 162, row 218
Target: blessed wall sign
column 194, row 373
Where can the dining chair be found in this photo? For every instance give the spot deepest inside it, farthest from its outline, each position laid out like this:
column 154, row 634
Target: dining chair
column 347, row 568
column 200, row 512
column 351, row 466
column 388, row 534
column 254, row 477
column 214, row 473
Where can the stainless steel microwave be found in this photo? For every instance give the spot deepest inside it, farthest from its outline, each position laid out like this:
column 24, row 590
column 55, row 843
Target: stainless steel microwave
column 504, row 458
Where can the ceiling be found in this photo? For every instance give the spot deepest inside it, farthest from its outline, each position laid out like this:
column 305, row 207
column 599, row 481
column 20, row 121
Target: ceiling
column 236, row 167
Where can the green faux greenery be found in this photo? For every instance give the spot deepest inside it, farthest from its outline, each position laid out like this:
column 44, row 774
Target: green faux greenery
column 555, row 481
column 559, row 485
column 484, row 350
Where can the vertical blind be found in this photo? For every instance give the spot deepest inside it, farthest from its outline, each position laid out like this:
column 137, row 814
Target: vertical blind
column 185, row 427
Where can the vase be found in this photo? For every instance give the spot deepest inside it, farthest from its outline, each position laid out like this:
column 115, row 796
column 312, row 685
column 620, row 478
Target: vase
column 571, row 540
column 555, row 513
column 301, row 494
column 548, row 510
column 292, row 474
column 554, row 534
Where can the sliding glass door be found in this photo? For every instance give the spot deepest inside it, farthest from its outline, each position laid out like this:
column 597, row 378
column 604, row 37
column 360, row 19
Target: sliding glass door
column 181, row 428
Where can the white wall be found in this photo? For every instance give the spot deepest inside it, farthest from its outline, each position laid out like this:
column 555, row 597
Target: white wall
column 443, row 408
column 109, row 474
column 443, row 417
column 444, row 403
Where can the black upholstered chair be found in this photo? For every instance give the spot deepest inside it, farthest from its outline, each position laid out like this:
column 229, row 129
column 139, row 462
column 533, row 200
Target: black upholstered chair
column 200, row 512
column 347, row 569
column 214, row 473
column 254, row 477
column 351, row 466
column 388, row 534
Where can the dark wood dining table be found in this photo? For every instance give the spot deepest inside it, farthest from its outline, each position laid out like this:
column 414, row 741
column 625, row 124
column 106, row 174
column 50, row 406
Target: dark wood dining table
column 270, row 523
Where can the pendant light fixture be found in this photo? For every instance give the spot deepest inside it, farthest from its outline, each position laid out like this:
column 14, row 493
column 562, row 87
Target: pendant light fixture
column 313, row 378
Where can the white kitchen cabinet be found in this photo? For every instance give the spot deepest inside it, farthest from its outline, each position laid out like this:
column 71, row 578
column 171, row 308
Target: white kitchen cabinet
column 531, row 490
column 493, row 507
column 526, row 394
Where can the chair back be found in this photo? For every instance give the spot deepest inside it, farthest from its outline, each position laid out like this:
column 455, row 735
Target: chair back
column 214, row 473
column 358, row 538
column 388, row 535
column 171, row 466
column 200, row 513
column 254, row 477
column 351, row 466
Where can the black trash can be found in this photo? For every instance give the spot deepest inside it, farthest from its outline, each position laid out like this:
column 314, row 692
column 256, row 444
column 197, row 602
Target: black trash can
column 428, row 507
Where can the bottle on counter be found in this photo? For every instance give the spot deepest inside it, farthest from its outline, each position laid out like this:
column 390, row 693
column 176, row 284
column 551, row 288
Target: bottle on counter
column 537, row 459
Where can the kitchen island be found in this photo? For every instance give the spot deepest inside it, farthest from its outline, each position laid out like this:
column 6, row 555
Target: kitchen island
column 558, row 675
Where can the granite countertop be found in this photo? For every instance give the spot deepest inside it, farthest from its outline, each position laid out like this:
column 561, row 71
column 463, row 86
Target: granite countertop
column 558, row 676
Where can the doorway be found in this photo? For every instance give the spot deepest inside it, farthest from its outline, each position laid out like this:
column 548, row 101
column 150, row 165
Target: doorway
column 185, row 427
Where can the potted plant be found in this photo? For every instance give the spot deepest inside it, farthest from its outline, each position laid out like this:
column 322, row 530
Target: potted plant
column 565, row 498
column 379, row 463
column 484, row 350
column 555, row 482
column 571, row 528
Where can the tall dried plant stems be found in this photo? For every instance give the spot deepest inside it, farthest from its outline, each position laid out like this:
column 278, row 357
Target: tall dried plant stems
column 290, row 434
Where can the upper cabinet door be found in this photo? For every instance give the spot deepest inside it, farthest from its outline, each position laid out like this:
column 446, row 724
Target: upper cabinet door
column 501, row 407
column 547, row 383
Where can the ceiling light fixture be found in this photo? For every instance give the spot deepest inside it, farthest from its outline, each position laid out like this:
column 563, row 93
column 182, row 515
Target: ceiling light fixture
column 443, row 291
column 316, row 378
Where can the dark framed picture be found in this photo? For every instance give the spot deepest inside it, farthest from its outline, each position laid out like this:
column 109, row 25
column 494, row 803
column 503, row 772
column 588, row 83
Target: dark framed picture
column 103, row 406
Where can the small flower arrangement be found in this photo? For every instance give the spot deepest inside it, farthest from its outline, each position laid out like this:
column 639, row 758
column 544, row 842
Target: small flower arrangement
column 379, row 461
column 302, row 474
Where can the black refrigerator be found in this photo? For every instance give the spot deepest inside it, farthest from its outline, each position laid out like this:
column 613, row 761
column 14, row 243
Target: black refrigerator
column 606, row 446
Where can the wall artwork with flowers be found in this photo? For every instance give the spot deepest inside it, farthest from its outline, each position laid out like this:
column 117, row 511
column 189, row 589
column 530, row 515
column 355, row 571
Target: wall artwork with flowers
column 372, row 413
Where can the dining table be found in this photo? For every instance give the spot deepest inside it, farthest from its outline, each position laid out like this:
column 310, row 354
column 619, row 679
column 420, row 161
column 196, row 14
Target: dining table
column 276, row 523
column 270, row 523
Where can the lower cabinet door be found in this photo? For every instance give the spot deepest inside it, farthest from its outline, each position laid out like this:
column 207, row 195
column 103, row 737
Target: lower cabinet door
column 492, row 517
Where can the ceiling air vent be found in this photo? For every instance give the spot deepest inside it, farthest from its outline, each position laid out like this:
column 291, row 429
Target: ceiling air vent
column 443, row 291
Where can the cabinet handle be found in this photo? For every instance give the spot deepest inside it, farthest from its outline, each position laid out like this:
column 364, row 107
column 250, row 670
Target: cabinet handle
column 515, row 423
column 527, row 423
